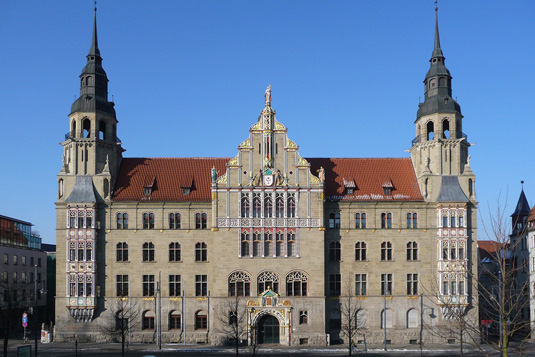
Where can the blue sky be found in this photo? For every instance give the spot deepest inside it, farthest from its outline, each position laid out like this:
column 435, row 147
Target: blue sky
column 188, row 79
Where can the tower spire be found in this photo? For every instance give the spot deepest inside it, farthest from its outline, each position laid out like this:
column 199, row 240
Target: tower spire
column 94, row 51
column 437, row 51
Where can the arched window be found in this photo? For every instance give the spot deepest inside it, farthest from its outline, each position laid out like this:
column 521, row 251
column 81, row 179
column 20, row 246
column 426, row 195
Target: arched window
column 268, row 244
column 360, row 251
column 257, row 244
column 386, row 251
column 268, row 279
column 200, row 220
column 268, row 206
column 389, row 220
column 73, row 129
column 360, row 220
column 257, row 206
column 239, row 284
column 175, row 320
column 122, row 252
column 148, row 252
column 174, row 252
column 334, row 251
column 86, row 128
column 445, row 129
column 245, row 205
column 470, row 187
column 296, row 284
column 291, row 206
column 245, row 244
column 412, row 318
column 148, row 320
column 291, row 251
column 148, row 220
column 201, row 320
column 415, row 220
column 102, row 130
column 279, row 245
column 387, row 318
column 442, row 81
column 174, row 220
column 334, row 220
column 60, row 188
column 121, row 321
column 412, row 251
column 430, row 130
column 279, row 203
column 201, row 252
column 361, row 319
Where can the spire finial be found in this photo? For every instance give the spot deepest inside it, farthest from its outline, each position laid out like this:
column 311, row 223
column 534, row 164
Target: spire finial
column 436, row 5
column 96, row 5
column 522, row 183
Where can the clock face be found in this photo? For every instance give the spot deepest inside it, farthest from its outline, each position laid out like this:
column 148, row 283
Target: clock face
column 268, row 180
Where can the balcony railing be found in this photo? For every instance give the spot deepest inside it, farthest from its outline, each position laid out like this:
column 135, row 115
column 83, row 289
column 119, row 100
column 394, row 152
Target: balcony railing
column 112, row 138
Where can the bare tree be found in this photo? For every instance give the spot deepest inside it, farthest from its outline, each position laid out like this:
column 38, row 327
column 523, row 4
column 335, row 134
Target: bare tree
column 232, row 317
column 353, row 318
column 504, row 282
column 123, row 319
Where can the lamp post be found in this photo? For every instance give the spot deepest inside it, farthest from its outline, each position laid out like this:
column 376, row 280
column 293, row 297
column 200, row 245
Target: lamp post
column 384, row 313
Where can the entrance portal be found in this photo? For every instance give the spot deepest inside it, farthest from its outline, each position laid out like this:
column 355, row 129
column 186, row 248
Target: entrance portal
column 268, row 329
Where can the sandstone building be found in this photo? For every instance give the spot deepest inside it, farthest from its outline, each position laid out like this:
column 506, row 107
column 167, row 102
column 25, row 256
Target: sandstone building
column 290, row 236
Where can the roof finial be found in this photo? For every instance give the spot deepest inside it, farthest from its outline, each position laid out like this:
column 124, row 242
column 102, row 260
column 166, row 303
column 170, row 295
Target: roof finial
column 96, row 5
column 94, row 43
column 267, row 95
column 522, row 183
column 436, row 5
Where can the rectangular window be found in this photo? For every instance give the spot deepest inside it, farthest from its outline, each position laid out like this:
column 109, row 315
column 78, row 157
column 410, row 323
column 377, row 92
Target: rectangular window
column 412, row 284
column 303, row 317
column 174, row 285
column 386, row 284
column 122, row 285
column 15, row 279
column 360, row 284
column 6, row 259
column 445, row 287
column 335, row 284
column 23, row 259
column 15, row 260
column 38, row 262
column 148, row 285
column 201, row 285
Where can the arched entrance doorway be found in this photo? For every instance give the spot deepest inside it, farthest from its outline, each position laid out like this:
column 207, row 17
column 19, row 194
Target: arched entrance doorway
column 268, row 329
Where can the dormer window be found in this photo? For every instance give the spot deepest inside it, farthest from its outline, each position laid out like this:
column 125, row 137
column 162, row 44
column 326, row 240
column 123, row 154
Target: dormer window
column 388, row 186
column 349, row 186
column 186, row 184
column 149, row 186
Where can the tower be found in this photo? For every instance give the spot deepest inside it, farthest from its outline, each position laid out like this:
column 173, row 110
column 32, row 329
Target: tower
column 91, row 147
column 91, row 158
column 440, row 147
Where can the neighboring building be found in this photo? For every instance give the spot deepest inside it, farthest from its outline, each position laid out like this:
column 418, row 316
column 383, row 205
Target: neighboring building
column 283, row 232
column 490, row 254
column 518, row 244
column 50, row 250
column 22, row 257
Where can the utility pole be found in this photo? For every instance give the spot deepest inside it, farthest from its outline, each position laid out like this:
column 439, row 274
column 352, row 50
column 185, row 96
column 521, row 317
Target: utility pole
column 159, row 311
column 421, row 323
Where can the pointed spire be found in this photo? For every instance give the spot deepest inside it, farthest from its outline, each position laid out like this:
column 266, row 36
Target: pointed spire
column 437, row 51
column 94, row 51
column 522, row 206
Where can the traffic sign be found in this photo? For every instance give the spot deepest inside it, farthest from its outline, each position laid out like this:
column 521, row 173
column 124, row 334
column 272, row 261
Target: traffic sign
column 24, row 324
column 24, row 314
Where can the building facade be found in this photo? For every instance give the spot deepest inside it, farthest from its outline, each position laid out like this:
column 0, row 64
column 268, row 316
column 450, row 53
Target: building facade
column 22, row 275
column 290, row 238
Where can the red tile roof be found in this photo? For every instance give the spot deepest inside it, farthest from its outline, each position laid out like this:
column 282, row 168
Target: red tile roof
column 532, row 215
column 370, row 176
column 169, row 175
